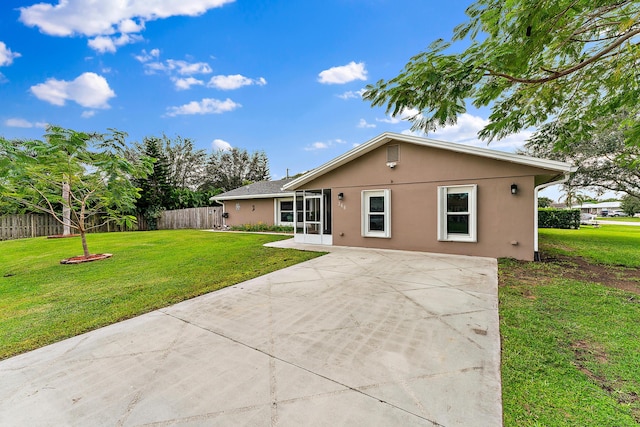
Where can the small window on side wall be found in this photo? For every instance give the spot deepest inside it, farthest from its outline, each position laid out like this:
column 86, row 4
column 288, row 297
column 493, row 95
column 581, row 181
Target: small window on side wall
column 457, row 213
column 376, row 213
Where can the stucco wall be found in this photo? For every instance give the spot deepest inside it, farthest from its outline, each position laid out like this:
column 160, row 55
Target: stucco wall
column 503, row 218
column 249, row 211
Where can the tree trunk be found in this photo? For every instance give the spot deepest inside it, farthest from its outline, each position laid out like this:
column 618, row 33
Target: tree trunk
column 85, row 248
column 66, row 210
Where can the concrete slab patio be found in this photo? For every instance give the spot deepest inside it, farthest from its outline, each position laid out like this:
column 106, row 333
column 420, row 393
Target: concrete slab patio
column 357, row 337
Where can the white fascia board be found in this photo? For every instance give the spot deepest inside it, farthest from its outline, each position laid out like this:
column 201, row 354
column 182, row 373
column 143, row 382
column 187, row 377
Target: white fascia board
column 254, row 196
column 552, row 165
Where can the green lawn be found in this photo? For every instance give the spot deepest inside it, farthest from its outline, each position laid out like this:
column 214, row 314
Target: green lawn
column 42, row 301
column 571, row 344
column 619, row 218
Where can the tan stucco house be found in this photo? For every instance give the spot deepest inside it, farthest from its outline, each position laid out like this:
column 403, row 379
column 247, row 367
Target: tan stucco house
column 411, row 193
column 261, row 202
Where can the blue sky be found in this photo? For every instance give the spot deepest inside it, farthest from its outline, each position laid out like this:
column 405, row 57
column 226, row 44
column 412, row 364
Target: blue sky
column 280, row 76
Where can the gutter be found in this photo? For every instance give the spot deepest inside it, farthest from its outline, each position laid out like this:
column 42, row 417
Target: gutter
column 536, row 253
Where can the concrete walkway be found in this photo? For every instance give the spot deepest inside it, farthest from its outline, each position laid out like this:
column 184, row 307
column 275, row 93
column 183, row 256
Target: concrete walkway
column 354, row 338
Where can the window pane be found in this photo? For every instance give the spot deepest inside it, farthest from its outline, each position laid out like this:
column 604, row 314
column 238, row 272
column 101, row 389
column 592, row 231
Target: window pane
column 458, row 224
column 376, row 222
column 376, row 204
column 286, row 216
column 286, row 205
column 313, row 209
column 458, row 202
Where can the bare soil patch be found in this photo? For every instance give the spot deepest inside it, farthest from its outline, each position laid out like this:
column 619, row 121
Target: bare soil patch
column 578, row 268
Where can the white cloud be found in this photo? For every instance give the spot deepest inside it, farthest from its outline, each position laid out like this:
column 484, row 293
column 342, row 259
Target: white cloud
column 188, row 68
column 352, row 94
column 90, row 90
column 234, row 81
column 220, row 144
column 22, row 123
column 113, row 18
column 171, row 66
column 184, row 84
column 148, row 56
column 206, row 106
column 6, row 55
column 319, row 145
column 465, row 131
column 88, row 114
column 363, row 124
column 343, row 74
column 404, row 115
column 104, row 44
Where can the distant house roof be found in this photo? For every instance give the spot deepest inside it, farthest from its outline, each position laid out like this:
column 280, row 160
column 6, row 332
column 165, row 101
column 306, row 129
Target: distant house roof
column 257, row 190
column 601, row 205
column 551, row 165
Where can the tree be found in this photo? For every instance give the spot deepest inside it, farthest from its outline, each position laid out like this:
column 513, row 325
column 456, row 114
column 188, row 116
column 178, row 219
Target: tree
column 565, row 62
column 155, row 191
column 94, row 167
column 604, row 162
column 544, row 202
column 630, row 204
column 186, row 164
column 230, row 169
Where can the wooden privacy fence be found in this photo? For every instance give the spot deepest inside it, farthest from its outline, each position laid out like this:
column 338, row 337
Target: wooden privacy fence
column 36, row 225
column 28, row 225
column 19, row 226
column 200, row 218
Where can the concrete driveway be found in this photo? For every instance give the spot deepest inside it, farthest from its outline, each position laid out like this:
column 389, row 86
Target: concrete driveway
column 354, row 338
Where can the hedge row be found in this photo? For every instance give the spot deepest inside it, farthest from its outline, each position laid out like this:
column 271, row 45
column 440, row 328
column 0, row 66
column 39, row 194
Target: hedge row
column 558, row 218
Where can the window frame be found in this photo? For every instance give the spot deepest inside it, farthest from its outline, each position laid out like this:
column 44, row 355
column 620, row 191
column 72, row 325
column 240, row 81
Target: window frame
column 366, row 196
column 278, row 211
column 443, row 192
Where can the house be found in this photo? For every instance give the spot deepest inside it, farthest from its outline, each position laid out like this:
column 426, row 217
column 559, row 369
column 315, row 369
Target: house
column 261, row 202
column 598, row 208
column 411, row 193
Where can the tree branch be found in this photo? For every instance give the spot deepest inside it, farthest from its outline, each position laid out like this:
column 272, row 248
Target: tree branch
column 559, row 74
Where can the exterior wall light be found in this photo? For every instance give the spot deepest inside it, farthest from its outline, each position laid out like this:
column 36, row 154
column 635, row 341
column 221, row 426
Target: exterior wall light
column 340, row 196
column 514, row 188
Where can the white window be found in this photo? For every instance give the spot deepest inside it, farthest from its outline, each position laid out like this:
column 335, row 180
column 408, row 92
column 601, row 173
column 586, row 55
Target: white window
column 457, row 213
column 376, row 213
column 284, row 211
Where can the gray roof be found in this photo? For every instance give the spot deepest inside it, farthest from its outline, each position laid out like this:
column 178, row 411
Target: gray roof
column 257, row 190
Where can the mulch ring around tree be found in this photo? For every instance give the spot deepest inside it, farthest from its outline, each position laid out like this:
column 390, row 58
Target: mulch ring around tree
column 82, row 258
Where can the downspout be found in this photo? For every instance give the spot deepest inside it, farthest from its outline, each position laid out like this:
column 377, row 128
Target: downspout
column 536, row 253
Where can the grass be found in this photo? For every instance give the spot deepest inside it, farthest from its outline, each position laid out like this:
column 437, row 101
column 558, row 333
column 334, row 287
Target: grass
column 607, row 244
column 618, row 218
column 570, row 341
column 42, row 301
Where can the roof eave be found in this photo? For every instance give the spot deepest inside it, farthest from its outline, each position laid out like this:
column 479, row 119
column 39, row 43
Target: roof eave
column 253, row 196
column 551, row 165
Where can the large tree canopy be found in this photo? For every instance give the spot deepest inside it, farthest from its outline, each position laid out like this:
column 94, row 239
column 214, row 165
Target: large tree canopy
column 534, row 62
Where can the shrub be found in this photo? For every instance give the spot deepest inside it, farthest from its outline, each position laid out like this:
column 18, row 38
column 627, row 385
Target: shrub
column 262, row 227
column 558, row 218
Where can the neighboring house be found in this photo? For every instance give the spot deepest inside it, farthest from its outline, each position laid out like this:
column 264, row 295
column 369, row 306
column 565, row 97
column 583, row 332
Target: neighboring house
column 597, row 208
column 261, row 202
column 405, row 192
